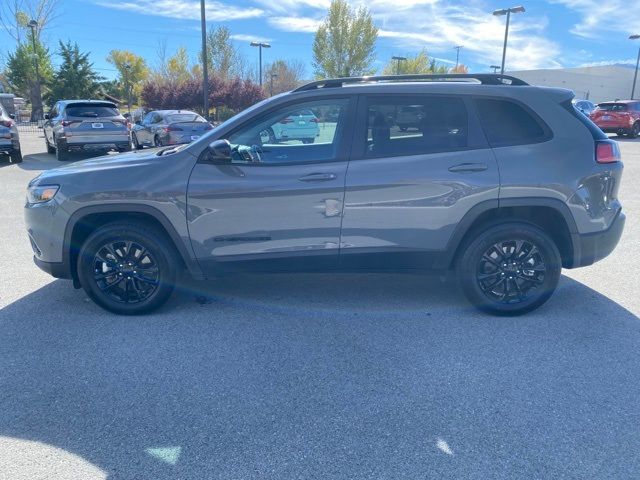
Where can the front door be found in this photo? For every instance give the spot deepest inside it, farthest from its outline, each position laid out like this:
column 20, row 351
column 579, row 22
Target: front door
column 278, row 204
column 420, row 163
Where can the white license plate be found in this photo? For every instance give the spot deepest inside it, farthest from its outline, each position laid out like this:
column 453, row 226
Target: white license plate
column 195, row 137
column 301, row 122
column 97, row 125
column 606, row 117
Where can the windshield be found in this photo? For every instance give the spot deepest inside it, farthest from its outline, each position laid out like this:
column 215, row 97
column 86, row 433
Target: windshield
column 613, row 107
column 185, row 117
column 92, row 111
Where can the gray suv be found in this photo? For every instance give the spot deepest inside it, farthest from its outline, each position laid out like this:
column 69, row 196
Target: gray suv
column 501, row 182
column 9, row 138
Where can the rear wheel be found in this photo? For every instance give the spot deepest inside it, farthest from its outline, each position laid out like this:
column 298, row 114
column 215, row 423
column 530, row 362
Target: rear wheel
column 308, row 140
column 157, row 142
column 16, row 156
column 62, row 154
column 127, row 269
column 635, row 130
column 509, row 269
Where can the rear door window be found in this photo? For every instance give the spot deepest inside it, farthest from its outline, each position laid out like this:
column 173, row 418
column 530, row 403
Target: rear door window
column 612, row 107
column 415, row 124
column 507, row 123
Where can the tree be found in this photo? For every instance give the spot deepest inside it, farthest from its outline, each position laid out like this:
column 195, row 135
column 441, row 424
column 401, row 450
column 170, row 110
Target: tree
column 16, row 14
column 21, row 74
column 461, row 68
column 344, row 44
column 75, row 77
column 285, row 75
column 223, row 58
column 132, row 70
column 420, row 63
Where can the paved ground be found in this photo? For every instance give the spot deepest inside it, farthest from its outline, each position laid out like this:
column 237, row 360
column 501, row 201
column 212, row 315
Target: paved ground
column 318, row 376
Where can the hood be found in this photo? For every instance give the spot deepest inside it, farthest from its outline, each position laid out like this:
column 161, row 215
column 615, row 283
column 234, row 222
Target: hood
column 120, row 161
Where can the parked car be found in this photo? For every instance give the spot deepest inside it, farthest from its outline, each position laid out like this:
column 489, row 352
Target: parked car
column 168, row 127
column 409, row 116
column 9, row 138
column 503, row 183
column 621, row 117
column 88, row 126
column 585, row 106
column 299, row 126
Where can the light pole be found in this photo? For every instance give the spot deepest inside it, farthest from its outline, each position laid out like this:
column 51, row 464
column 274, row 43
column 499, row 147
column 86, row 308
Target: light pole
column 260, row 45
column 495, row 68
column 205, row 62
column 38, row 108
column 127, row 85
column 507, row 12
column 398, row 59
column 273, row 75
column 458, row 47
column 635, row 75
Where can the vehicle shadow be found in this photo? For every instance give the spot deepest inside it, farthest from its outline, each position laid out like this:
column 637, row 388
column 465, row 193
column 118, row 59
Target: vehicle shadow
column 325, row 376
column 39, row 161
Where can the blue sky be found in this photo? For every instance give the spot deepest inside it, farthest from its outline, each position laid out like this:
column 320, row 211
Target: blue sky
column 551, row 33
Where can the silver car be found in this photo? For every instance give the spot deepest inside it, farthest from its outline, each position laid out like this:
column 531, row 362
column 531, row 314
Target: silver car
column 87, row 126
column 9, row 139
column 502, row 183
column 168, row 127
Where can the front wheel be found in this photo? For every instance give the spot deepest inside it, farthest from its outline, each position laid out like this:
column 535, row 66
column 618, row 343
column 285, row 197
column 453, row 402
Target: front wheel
column 509, row 269
column 127, row 269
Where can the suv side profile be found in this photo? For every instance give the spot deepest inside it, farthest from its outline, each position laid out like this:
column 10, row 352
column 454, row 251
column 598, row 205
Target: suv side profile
column 85, row 126
column 502, row 182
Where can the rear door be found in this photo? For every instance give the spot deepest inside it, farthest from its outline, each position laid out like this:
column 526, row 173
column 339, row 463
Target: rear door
column 278, row 204
column 94, row 123
column 408, row 188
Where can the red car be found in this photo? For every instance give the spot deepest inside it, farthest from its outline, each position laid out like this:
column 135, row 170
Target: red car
column 621, row 117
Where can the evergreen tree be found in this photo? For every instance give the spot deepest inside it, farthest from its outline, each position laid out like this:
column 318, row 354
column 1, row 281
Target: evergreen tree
column 75, row 78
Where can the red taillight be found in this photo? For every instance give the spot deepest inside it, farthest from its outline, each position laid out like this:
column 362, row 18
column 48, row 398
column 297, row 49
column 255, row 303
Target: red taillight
column 6, row 123
column 286, row 120
column 607, row 151
column 172, row 128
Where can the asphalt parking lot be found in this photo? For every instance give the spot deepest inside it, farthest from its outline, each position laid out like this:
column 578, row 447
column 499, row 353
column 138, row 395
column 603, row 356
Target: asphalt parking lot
column 317, row 376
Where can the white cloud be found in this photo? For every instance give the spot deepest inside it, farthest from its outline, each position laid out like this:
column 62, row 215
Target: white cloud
column 629, row 61
column 241, row 37
column 598, row 17
column 295, row 24
column 183, row 9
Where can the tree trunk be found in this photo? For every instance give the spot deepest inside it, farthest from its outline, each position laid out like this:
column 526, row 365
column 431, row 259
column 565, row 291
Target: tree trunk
column 36, row 102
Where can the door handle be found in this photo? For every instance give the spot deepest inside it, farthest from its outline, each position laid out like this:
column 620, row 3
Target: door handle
column 318, row 177
column 468, row 167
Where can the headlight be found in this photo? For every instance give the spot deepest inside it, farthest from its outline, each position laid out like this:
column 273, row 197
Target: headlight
column 41, row 193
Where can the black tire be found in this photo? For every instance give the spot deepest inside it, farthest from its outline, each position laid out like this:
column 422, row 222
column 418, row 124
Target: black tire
column 403, row 128
column 134, row 139
column 15, row 156
column 128, row 148
column 490, row 279
column 157, row 142
column 62, row 153
column 50, row 149
column 635, row 130
column 112, row 287
column 307, row 141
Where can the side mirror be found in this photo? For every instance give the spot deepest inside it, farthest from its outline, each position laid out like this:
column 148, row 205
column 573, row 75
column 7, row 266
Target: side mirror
column 12, row 116
column 46, row 116
column 220, row 151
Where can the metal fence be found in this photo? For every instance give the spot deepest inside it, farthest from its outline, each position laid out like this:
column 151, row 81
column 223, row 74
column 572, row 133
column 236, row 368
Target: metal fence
column 29, row 127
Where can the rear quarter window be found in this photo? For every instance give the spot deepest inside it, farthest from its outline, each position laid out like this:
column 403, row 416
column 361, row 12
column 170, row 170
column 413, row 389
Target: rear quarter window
column 507, row 123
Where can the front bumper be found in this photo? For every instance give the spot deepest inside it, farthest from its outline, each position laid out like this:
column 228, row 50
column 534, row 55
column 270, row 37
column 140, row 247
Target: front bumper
column 55, row 269
column 596, row 246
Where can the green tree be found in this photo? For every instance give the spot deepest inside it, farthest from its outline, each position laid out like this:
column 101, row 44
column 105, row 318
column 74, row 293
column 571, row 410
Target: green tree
column 132, row 69
column 420, row 63
column 178, row 68
column 283, row 75
column 16, row 14
column 344, row 44
column 75, row 78
column 223, row 58
column 21, row 74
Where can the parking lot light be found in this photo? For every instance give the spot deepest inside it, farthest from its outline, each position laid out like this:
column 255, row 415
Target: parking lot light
column 398, row 59
column 635, row 75
column 260, row 45
column 507, row 12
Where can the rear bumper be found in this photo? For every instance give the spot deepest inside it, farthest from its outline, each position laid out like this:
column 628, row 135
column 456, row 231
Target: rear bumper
column 596, row 246
column 615, row 128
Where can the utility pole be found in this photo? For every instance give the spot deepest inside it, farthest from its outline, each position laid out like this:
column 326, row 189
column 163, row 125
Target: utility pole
column 458, row 47
column 37, row 114
column 127, row 85
column 495, row 68
column 205, row 61
column 398, row 59
column 635, row 75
